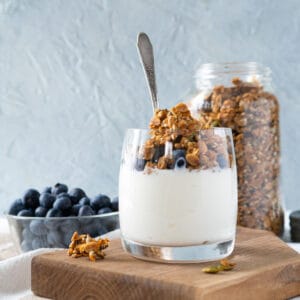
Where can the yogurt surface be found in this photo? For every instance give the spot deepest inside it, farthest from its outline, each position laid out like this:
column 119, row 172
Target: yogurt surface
column 178, row 208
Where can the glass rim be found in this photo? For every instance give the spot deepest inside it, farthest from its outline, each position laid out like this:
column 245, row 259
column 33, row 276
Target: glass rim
column 8, row 216
column 238, row 68
column 225, row 129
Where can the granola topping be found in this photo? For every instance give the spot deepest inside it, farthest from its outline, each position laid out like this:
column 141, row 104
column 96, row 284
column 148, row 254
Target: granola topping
column 176, row 129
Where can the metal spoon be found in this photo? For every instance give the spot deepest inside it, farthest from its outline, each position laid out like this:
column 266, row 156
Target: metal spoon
column 146, row 55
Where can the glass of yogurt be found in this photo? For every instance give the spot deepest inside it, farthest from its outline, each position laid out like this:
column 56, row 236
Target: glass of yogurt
column 178, row 196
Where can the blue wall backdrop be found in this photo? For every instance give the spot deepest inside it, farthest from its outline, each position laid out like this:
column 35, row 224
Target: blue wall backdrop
column 70, row 80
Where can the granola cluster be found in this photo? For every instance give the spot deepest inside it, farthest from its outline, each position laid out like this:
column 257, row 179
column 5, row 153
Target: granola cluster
column 85, row 245
column 167, row 125
column 224, row 265
column 253, row 115
column 174, row 135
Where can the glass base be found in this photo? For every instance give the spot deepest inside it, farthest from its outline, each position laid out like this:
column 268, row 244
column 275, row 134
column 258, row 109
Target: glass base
column 179, row 254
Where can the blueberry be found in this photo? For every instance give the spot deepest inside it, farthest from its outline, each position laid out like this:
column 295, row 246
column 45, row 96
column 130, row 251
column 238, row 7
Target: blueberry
column 158, row 152
column 76, row 194
column 140, row 164
column 39, row 242
column 100, row 201
column 25, row 213
column 68, row 212
column 16, row 207
column 222, row 161
column 85, row 201
column 104, row 210
column 94, row 229
column 31, row 199
column 40, row 211
column 47, row 190
column 52, row 224
column 86, row 210
column 206, row 107
column 66, row 238
column 62, row 203
column 86, row 221
column 69, row 225
column 73, row 200
column 59, row 188
column 102, row 230
column 111, row 223
column 27, row 234
column 46, row 200
column 54, row 238
column 178, row 153
column 38, row 227
column 53, row 212
column 24, row 223
column 179, row 161
column 75, row 209
column 114, row 205
column 26, row 245
column 63, row 194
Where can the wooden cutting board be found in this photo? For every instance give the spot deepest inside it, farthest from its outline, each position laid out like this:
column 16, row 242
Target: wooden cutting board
column 266, row 269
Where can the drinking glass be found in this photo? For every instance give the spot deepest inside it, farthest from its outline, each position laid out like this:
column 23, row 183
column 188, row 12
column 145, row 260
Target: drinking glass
column 184, row 210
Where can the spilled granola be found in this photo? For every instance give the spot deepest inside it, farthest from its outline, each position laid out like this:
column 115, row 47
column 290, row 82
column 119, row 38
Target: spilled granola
column 224, row 265
column 85, row 245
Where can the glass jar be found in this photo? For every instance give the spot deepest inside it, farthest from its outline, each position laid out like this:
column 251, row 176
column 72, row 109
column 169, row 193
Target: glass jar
column 240, row 96
column 184, row 210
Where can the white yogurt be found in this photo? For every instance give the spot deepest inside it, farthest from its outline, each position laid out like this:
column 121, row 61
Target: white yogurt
column 180, row 208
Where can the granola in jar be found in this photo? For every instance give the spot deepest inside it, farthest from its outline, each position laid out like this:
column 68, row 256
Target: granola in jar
column 251, row 110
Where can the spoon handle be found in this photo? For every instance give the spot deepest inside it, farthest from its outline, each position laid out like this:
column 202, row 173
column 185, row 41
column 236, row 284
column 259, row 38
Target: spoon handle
column 146, row 55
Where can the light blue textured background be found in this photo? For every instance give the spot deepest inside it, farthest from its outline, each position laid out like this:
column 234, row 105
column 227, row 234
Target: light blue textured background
column 70, row 79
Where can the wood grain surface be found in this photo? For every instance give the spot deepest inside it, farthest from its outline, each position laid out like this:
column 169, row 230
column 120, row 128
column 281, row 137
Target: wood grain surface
column 266, row 269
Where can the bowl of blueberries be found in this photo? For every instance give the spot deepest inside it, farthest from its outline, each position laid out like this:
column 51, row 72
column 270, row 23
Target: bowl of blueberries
column 49, row 219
